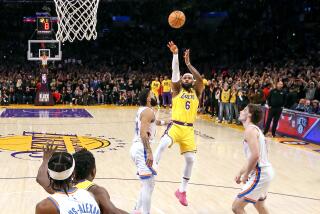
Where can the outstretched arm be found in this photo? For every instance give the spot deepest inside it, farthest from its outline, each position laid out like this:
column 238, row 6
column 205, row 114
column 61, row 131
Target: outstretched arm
column 199, row 81
column 42, row 176
column 175, row 84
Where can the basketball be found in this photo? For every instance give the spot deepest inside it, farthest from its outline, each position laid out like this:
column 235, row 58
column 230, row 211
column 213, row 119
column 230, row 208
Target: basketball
column 176, row 19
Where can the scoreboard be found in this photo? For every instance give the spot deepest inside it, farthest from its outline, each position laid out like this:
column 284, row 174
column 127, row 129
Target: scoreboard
column 44, row 25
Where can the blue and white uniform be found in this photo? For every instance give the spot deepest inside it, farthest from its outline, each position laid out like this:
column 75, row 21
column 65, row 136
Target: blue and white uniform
column 76, row 202
column 137, row 151
column 257, row 186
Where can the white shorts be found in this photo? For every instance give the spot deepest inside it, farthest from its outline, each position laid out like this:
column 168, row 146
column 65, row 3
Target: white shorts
column 139, row 157
column 257, row 186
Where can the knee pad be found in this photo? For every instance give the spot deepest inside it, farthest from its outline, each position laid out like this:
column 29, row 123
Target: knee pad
column 165, row 141
column 190, row 157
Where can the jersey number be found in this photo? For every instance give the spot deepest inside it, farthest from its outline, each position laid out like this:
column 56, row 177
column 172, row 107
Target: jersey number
column 188, row 105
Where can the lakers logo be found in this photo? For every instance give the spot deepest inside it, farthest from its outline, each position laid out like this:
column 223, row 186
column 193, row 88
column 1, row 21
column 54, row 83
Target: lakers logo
column 30, row 144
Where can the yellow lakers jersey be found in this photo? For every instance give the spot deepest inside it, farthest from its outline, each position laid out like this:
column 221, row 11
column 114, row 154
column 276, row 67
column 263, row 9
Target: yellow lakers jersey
column 185, row 106
column 166, row 84
column 205, row 82
column 225, row 96
column 155, row 85
column 85, row 185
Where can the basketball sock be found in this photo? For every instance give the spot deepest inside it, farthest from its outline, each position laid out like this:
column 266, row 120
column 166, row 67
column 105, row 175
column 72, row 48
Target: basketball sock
column 146, row 193
column 189, row 160
column 139, row 203
column 165, row 141
column 184, row 184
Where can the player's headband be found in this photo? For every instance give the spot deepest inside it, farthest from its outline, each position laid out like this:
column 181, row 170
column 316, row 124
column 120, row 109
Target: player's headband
column 188, row 74
column 60, row 176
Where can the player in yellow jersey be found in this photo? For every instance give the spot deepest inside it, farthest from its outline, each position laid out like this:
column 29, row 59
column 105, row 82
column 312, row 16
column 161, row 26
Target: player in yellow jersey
column 186, row 93
column 155, row 86
column 85, row 171
column 166, row 95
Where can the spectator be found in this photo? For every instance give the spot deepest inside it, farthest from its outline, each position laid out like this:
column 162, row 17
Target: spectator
column 233, row 106
column 256, row 94
column 276, row 101
column 56, row 97
column 215, row 94
column 242, row 100
column 300, row 106
column 292, row 97
column 308, row 107
column 100, row 96
column 28, row 97
column 315, row 107
column 166, row 95
column 225, row 103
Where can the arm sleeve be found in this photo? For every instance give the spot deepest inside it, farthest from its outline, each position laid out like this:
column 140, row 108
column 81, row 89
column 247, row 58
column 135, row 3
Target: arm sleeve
column 175, row 68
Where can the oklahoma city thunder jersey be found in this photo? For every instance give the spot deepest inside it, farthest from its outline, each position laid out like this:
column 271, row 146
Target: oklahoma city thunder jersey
column 185, row 106
column 79, row 201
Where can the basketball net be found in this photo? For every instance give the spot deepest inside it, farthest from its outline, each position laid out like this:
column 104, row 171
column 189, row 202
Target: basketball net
column 77, row 19
column 44, row 60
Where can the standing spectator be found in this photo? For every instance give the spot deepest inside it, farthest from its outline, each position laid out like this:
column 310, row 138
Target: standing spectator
column 28, row 96
column 256, row 94
column 166, row 85
column 276, row 101
column 207, row 96
column 215, row 99
column 292, row 97
column 233, row 106
column 202, row 99
column 155, row 86
column 11, row 96
column 310, row 89
column 224, row 104
column 266, row 92
column 161, row 91
column 4, row 98
column 242, row 100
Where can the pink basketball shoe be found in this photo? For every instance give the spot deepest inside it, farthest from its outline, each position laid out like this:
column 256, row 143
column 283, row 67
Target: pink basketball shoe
column 182, row 196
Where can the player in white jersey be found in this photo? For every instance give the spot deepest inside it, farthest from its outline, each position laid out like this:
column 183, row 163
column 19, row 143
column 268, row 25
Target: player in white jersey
column 66, row 199
column 141, row 153
column 257, row 173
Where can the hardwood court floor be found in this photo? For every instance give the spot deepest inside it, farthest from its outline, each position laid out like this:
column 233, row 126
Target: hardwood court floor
column 295, row 189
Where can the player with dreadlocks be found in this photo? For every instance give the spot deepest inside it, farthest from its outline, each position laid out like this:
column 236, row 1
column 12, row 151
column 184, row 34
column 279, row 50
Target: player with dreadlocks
column 85, row 171
column 66, row 198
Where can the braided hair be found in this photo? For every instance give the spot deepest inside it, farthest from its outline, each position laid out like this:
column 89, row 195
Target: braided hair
column 85, row 164
column 59, row 162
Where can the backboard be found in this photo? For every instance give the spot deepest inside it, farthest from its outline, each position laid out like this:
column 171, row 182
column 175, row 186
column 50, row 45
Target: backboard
column 38, row 48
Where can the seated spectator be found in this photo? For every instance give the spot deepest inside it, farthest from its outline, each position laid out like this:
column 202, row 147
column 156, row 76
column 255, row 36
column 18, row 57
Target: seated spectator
column 57, row 97
column 300, row 106
column 315, row 106
column 4, row 98
column 100, row 96
column 308, row 107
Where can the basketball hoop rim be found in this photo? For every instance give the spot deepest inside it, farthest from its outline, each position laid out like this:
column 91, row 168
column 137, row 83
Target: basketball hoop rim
column 44, row 60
